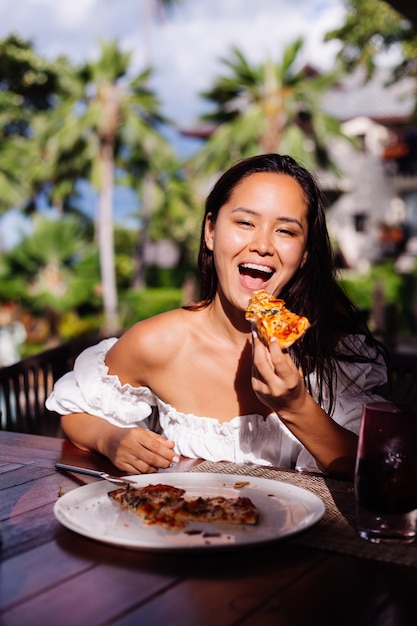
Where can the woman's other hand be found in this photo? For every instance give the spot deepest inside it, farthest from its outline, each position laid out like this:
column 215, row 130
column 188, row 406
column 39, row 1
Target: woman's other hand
column 137, row 450
column 132, row 450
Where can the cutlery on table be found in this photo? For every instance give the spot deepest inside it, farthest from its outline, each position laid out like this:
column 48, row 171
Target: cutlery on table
column 83, row 470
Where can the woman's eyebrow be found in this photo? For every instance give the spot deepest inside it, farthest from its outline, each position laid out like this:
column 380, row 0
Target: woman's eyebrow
column 283, row 218
column 292, row 220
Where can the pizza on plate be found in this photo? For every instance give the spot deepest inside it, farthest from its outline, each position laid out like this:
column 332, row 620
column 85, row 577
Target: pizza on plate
column 166, row 506
column 273, row 319
column 146, row 501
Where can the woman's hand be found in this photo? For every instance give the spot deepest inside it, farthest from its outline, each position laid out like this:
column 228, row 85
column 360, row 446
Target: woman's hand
column 276, row 380
column 132, row 450
column 137, row 450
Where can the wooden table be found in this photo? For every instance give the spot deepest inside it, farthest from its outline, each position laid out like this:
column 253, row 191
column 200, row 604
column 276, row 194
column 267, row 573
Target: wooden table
column 50, row 574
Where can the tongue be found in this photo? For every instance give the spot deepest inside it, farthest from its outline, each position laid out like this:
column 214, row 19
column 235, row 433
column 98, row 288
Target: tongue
column 252, row 282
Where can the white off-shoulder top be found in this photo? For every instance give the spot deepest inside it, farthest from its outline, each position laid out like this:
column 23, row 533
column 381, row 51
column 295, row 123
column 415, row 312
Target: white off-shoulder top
column 244, row 439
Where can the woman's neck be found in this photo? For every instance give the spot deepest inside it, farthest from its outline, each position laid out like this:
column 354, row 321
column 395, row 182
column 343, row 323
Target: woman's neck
column 228, row 324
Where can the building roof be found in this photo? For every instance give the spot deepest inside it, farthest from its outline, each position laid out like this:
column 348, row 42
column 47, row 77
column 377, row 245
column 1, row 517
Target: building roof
column 376, row 99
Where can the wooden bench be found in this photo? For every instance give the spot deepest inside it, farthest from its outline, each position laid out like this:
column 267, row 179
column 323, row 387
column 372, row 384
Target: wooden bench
column 25, row 385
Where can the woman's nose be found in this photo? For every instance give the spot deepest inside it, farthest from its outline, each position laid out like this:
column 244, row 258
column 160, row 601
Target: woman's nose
column 262, row 243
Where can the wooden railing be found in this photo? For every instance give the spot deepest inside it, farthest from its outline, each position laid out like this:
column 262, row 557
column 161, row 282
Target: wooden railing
column 25, row 385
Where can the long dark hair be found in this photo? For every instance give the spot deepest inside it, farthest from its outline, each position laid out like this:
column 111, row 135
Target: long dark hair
column 313, row 291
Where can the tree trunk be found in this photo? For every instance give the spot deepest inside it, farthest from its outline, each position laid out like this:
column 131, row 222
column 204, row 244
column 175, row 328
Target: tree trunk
column 274, row 111
column 106, row 242
column 139, row 278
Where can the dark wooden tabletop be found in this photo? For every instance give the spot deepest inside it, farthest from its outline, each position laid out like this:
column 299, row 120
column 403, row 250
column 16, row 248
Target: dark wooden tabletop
column 50, row 574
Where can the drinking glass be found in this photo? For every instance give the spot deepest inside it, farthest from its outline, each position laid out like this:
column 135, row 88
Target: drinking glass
column 386, row 473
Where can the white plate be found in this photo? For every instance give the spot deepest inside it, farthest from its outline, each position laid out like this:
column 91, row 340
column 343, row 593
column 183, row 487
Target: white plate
column 284, row 510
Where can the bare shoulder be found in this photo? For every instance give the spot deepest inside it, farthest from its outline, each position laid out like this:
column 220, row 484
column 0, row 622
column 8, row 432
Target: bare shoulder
column 149, row 344
column 164, row 331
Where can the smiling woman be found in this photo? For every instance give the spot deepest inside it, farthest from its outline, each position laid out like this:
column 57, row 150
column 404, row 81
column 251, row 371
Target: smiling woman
column 218, row 391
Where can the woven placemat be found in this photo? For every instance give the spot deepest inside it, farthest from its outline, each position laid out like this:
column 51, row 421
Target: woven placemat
column 336, row 529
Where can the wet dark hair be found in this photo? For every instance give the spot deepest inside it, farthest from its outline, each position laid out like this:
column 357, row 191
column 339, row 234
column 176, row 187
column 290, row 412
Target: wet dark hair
column 313, row 291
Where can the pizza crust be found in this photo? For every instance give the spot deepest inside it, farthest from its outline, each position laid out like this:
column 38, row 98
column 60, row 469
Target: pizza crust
column 273, row 319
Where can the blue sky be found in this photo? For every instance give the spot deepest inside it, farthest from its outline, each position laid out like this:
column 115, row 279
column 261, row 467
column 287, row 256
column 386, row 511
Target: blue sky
column 184, row 47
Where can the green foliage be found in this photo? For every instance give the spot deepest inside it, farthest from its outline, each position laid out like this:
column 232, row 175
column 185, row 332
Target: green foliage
column 397, row 291
column 28, row 90
column 142, row 304
column 361, row 287
column 167, row 276
column 74, row 324
column 55, row 119
column 125, row 242
column 270, row 107
column 28, row 76
column 370, row 29
column 51, row 271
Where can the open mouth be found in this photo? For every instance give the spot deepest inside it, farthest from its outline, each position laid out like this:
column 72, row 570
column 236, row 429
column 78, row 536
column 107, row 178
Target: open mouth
column 255, row 276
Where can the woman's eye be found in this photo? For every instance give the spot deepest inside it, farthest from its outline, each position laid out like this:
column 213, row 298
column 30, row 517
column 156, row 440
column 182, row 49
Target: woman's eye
column 285, row 231
column 244, row 223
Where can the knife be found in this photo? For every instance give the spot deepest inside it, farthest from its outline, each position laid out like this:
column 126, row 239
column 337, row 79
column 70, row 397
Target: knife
column 83, row 470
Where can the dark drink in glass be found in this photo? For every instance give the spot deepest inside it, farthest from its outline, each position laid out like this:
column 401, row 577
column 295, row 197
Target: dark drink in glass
column 386, row 473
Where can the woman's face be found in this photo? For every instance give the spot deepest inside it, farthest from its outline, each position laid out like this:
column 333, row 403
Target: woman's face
column 259, row 239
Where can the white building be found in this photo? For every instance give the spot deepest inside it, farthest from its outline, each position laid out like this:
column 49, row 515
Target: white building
column 378, row 200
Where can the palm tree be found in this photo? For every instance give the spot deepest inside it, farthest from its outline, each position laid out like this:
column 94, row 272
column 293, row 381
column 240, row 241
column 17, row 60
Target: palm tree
column 151, row 159
column 103, row 103
column 15, row 163
column 166, row 200
column 27, row 86
column 52, row 271
column 273, row 107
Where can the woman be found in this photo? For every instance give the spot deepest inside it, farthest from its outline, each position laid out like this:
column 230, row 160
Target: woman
column 221, row 394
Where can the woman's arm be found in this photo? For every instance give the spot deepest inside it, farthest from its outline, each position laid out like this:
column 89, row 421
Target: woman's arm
column 333, row 446
column 133, row 450
column 92, row 404
column 278, row 383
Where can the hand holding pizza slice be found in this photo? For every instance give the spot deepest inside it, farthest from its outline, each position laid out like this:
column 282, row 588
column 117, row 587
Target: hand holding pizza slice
column 273, row 319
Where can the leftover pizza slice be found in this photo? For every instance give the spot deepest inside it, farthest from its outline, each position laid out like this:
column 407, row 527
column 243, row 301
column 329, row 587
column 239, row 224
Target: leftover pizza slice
column 146, row 501
column 166, row 506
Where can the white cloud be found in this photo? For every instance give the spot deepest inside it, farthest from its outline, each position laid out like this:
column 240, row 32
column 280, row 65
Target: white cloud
column 72, row 13
column 185, row 47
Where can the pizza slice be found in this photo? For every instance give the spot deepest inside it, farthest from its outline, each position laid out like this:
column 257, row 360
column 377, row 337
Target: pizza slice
column 239, row 510
column 273, row 319
column 166, row 506
column 146, row 501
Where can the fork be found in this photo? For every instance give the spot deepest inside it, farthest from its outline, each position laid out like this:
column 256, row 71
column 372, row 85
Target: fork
column 83, row 470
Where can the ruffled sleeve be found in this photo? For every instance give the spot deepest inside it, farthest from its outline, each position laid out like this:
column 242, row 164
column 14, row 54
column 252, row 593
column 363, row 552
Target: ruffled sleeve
column 88, row 388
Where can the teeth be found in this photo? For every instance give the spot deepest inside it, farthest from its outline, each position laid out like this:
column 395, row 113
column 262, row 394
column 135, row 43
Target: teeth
column 258, row 268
